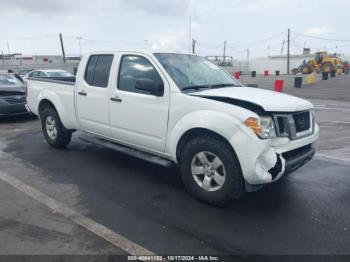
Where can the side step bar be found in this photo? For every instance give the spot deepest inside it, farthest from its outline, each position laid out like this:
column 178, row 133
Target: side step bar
column 126, row 150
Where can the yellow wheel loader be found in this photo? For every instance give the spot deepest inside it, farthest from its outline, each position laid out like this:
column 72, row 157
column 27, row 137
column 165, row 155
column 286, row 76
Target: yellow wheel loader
column 323, row 62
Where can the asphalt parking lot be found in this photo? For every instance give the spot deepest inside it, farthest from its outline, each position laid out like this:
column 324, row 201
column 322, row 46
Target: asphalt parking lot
column 306, row 213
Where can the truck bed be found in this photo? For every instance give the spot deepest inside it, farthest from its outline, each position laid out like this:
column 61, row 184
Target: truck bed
column 62, row 92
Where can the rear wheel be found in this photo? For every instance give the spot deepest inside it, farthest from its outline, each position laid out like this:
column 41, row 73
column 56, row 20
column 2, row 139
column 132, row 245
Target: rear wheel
column 210, row 170
column 55, row 133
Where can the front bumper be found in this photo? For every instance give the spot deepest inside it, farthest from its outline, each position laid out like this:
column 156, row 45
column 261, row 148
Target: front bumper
column 271, row 161
column 299, row 160
column 14, row 110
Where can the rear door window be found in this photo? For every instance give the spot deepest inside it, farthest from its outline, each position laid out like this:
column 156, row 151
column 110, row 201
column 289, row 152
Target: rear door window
column 90, row 69
column 98, row 70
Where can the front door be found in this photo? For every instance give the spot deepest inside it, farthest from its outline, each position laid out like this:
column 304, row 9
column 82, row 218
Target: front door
column 138, row 117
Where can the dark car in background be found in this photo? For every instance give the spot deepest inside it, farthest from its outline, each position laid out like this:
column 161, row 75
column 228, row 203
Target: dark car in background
column 12, row 96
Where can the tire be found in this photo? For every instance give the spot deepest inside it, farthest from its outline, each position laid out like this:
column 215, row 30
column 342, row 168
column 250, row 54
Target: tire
column 306, row 69
column 56, row 134
column 327, row 67
column 233, row 186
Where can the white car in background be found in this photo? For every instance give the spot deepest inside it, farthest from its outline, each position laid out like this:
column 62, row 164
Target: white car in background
column 55, row 74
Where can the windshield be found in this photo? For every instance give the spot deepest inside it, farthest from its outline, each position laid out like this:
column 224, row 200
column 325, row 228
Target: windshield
column 24, row 72
column 59, row 74
column 194, row 72
column 9, row 80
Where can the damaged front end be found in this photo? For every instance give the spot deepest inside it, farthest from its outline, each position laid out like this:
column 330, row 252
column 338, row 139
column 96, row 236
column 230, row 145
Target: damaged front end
column 273, row 167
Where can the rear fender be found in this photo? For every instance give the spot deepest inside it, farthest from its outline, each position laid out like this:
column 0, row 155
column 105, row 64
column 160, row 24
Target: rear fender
column 57, row 103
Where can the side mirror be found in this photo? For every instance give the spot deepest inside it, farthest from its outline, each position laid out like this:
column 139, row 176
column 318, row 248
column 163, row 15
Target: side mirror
column 149, row 86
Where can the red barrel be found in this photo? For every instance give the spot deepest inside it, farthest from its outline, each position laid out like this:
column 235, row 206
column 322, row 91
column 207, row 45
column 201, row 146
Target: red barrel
column 279, row 84
column 266, row 73
column 237, row 74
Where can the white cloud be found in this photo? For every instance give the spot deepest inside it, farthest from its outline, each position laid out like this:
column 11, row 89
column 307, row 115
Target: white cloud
column 157, row 7
column 41, row 7
column 170, row 40
column 317, row 31
column 251, row 6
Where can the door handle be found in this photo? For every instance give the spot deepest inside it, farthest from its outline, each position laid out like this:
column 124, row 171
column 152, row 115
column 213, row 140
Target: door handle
column 116, row 99
column 82, row 93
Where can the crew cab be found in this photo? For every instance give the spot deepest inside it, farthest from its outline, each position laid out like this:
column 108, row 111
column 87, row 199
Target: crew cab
column 184, row 109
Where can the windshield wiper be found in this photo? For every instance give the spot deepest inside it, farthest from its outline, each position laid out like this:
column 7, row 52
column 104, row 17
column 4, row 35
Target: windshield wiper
column 198, row 87
column 224, row 85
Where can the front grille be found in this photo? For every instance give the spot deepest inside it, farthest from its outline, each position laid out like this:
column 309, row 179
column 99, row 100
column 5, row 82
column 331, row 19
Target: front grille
column 281, row 125
column 294, row 125
column 15, row 99
column 302, row 122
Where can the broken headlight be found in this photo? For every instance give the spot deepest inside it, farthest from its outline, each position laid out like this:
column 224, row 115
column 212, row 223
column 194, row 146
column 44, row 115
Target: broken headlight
column 264, row 126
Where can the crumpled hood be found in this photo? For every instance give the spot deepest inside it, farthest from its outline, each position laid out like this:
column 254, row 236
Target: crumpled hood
column 270, row 101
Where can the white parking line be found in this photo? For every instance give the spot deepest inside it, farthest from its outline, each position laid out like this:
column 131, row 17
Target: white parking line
column 333, row 108
column 94, row 227
column 333, row 157
column 331, row 105
column 331, row 121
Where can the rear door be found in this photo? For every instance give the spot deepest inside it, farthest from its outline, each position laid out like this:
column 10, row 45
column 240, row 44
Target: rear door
column 92, row 98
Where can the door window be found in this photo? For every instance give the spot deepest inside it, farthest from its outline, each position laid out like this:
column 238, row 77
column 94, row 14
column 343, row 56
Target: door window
column 41, row 74
column 34, row 74
column 98, row 70
column 133, row 68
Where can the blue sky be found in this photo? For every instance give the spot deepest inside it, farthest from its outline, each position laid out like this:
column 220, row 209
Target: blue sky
column 32, row 27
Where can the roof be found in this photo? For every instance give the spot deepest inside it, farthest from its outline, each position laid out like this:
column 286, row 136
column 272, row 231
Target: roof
column 140, row 51
column 50, row 70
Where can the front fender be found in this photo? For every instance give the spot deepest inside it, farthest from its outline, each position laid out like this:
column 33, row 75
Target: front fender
column 218, row 122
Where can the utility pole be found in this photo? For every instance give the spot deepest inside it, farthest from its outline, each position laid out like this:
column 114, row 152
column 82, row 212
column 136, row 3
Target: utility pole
column 8, row 48
column 190, row 36
column 62, row 47
column 225, row 50
column 79, row 42
column 288, row 53
column 194, row 42
column 248, row 57
column 284, row 41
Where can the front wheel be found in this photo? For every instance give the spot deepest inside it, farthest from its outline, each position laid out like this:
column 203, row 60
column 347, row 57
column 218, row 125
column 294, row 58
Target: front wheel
column 306, row 69
column 55, row 133
column 210, row 170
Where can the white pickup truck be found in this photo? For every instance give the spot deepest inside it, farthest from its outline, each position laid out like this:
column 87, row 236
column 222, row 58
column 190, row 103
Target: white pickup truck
column 175, row 108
